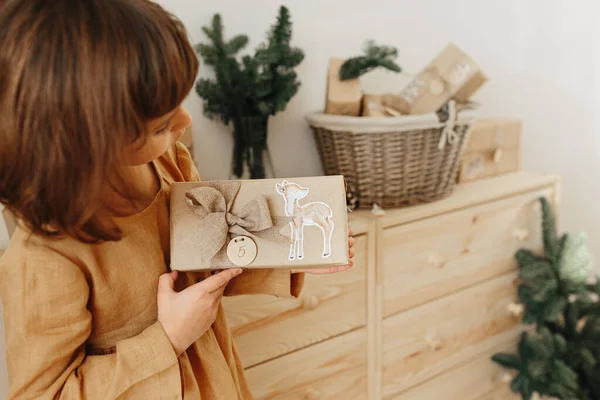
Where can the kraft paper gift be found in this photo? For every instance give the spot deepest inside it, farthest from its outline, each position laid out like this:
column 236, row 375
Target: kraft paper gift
column 268, row 223
column 343, row 97
column 452, row 74
column 373, row 106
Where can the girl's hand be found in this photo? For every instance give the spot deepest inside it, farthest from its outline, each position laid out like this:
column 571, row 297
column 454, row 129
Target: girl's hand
column 187, row 315
column 331, row 270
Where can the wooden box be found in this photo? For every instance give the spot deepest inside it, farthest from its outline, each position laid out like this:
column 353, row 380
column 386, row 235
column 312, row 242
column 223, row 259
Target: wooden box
column 493, row 149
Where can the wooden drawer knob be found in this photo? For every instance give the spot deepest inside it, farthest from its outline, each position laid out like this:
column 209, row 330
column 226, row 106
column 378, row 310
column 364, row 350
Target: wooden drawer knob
column 435, row 261
column 433, row 341
column 516, row 309
column 310, row 302
column 498, row 153
column 521, row 234
column 312, row 394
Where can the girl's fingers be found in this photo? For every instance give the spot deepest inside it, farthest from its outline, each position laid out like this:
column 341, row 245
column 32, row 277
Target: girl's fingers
column 218, row 281
column 166, row 282
column 342, row 267
column 330, row 270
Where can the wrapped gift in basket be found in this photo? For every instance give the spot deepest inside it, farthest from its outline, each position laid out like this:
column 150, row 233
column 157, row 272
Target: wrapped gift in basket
column 399, row 149
column 393, row 161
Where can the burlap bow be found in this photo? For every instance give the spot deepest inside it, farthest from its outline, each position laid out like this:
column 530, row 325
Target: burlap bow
column 217, row 224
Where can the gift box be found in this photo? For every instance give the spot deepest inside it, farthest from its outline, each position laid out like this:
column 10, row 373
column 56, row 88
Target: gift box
column 374, row 106
column 493, row 149
column 452, row 74
column 267, row 223
column 342, row 97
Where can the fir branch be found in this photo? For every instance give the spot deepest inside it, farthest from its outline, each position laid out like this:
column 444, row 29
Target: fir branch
column 374, row 57
column 562, row 358
column 277, row 60
column 549, row 234
column 509, row 361
column 256, row 87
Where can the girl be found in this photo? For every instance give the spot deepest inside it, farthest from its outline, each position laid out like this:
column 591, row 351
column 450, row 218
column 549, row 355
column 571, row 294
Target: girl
column 90, row 94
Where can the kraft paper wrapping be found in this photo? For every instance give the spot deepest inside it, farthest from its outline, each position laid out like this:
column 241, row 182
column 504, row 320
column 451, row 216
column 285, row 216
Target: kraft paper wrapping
column 342, row 97
column 254, row 201
column 452, row 74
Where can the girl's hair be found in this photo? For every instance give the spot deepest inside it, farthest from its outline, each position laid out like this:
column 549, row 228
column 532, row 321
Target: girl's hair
column 79, row 80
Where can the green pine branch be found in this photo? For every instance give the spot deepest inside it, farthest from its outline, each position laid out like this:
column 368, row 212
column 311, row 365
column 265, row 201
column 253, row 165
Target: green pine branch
column 374, row 57
column 257, row 85
column 277, row 60
column 562, row 358
column 549, row 235
column 249, row 89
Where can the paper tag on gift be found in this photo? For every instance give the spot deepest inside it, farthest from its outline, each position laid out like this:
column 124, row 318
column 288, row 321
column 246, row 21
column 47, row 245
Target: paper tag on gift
column 241, row 251
column 452, row 74
column 436, row 87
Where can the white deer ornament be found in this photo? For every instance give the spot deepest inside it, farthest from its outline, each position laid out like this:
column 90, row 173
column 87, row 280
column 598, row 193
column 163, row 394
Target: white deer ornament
column 311, row 214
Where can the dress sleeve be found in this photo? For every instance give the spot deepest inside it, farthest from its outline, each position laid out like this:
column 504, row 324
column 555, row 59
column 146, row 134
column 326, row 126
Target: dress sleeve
column 185, row 163
column 47, row 323
column 276, row 282
column 280, row 283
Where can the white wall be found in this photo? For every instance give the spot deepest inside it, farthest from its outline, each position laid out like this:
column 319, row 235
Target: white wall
column 541, row 57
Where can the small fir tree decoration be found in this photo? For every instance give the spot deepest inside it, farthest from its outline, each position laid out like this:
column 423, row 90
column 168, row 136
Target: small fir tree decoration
column 247, row 92
column 374, row 57
column 560, row 360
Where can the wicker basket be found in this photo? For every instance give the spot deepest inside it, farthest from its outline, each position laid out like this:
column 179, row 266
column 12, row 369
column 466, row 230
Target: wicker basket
column 392, row 161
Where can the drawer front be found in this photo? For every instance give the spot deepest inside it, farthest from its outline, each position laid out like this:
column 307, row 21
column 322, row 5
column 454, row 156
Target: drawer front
column 486, row 163
column 265, row 327
column 480, row 379
column 488, row 134
column 334, row 369
column 430, row 258
column 436, row 337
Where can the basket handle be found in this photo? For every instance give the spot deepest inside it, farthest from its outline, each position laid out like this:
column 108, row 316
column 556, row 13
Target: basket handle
column 448, row 133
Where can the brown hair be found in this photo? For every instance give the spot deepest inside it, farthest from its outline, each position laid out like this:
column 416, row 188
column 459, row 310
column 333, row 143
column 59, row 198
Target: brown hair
column 78, row 82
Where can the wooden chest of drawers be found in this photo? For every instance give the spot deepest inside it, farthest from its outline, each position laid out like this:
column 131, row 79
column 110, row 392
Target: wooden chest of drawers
column 419, row 315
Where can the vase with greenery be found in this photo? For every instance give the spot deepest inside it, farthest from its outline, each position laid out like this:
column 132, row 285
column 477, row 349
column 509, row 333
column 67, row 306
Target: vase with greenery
column 559, row 298
column 245, row 92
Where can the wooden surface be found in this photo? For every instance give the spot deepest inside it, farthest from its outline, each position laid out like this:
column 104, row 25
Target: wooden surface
column 483, row 164
column 374, row 314
column 335, row 369
column 430, row 258
column 428, row 340
column 479, row 379
column 358, row 223
column 491, row 133
column 329, row 305
column 468, row 195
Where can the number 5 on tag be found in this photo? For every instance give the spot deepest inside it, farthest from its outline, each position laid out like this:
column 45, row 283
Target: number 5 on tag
column 241, row 251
